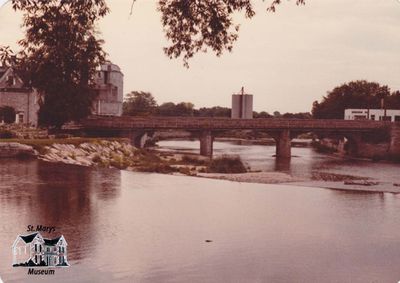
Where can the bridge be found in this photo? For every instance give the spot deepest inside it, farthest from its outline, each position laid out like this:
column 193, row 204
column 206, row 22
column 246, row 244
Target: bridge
column 282, row 130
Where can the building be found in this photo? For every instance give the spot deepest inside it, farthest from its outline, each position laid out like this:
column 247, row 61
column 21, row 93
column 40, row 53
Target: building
column 14, row 93
column 109, row 83
column 372, row 114
column 242, row 106
column 33, row 249
column 110, row 88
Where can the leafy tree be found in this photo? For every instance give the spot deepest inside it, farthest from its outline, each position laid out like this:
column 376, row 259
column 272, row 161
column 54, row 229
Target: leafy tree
column 139, row 103
column 300, row 115
column 172, row 109
column 261, row 114
column 184, row 109
column 60, row 55
column 216, row 111
column 356, row 94
column 166, row 109
column 277, row 114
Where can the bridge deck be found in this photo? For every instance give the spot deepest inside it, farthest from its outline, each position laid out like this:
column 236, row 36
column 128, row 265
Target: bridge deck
column 199, row 123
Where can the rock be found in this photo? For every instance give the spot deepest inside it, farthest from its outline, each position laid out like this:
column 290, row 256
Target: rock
column 13, row 149
column 361, row 183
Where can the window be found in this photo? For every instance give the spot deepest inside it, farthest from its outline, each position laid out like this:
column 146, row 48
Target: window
column 359, row 117
column 20, row 118
column 10, row 80
column 106, row 79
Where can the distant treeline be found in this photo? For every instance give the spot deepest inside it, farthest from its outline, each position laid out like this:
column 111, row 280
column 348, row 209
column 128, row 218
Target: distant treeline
column 355, row 95
column 139, row 103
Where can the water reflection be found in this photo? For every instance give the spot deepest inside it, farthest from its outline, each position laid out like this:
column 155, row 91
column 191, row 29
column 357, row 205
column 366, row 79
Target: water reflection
column 63, row 196
column 282, row 164
column 304, row 162
column 132, row 227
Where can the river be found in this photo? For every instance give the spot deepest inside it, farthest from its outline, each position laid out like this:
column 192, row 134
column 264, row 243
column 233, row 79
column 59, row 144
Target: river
column 133, row 227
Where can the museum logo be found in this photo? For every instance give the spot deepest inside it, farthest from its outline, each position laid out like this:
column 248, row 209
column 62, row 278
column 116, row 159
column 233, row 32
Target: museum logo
column 39, row 254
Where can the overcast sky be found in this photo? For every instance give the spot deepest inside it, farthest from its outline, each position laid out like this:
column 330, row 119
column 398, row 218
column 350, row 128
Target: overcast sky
column 287, row 59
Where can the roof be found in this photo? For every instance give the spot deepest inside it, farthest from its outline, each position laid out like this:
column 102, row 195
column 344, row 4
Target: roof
column 2, row 72
column 51, row 242
column 29, row 238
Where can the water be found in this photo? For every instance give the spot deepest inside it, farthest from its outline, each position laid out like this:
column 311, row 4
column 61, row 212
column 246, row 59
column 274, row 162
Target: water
column 304, row 162
column 133, row 227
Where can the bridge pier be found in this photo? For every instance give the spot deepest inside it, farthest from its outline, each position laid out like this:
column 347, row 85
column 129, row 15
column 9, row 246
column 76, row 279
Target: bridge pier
column 138, row 139
column 283, row 143
column 206, row 143
column 394, row 149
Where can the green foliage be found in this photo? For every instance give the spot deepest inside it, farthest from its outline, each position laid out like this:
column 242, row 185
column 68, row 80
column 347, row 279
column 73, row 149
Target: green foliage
column 139, row 103
column 6, row 134
column 261, row 114
column 356, row 94
column 60, row 55
column 194, row 160
column 7, row 114
column 172, row 109
column 227, row 164
column 216, row 111
column 300, row 115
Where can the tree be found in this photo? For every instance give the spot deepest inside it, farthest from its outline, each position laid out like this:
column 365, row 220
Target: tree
column 300, row 115
column 215, row 111
column 184, row 109
column 139, row 103
column 277, row 114
column 356, row 94
column 193, row 26
column 60, row 55
column 166, row 109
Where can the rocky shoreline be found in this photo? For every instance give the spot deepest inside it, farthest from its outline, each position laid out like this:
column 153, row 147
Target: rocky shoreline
column 13, row 150
column 103, row 154
column 123, row 156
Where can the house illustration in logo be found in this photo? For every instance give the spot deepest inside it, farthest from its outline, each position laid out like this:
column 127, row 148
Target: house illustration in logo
column 34, row 250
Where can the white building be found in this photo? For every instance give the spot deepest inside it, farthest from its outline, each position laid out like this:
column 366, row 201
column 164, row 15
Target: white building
column 36, row 250
column 242, row 106
column 372, row 114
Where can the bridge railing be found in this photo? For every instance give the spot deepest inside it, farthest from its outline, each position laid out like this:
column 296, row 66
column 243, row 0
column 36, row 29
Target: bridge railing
column 199, row 123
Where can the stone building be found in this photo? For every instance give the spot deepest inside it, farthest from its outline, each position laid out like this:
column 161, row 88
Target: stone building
column 13, row 93
column 109, row 83
column 110, row 88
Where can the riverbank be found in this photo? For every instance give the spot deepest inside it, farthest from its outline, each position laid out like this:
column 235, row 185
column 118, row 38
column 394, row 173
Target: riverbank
column 121, row 155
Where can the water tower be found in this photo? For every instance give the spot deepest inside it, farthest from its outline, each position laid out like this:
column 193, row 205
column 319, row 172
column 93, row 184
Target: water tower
column 242, row 105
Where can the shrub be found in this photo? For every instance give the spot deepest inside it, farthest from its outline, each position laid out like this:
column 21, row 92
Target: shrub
column 6, row 134
column 193, row 160
column 227, row 164
column 156, row 168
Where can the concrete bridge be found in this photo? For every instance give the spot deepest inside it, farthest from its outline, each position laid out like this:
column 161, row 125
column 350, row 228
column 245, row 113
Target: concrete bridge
column 282, row 130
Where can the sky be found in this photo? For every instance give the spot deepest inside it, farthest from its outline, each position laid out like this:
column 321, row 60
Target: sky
column 286, row 59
